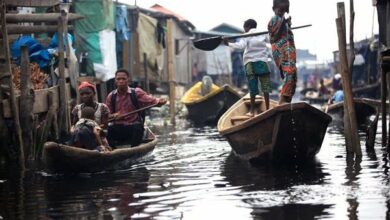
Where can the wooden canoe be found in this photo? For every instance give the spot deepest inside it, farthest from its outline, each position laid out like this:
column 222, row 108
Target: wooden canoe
column 209, row 108
column 288, row 131
column 364, row 108
column 61, row 158
column 312, row 96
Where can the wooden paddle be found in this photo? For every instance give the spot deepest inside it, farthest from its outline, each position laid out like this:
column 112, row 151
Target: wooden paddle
column 211, row 43
column 130, row 113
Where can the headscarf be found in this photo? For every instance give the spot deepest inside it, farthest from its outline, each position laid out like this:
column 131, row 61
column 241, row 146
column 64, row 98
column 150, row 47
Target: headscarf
column 87, row 84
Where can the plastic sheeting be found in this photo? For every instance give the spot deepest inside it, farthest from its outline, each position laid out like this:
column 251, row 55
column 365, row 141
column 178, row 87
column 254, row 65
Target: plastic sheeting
column 194, row 93
column 94, row 36
column 99, row 15
column 106, row 70
column 216, row 62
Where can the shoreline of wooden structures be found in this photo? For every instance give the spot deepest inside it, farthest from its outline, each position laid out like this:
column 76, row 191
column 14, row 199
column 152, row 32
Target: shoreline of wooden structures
column 56, row 99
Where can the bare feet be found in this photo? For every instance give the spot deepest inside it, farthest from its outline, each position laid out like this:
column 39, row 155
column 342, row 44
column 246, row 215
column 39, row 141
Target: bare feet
column 249, row 114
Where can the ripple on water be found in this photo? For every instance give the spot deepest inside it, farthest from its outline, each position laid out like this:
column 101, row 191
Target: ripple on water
column 192, row 175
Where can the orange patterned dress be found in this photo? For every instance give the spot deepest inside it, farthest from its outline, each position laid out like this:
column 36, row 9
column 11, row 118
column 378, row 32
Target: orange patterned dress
column 284, row 53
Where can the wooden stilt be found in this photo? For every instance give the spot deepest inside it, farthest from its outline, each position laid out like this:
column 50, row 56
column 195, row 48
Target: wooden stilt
column 62, row 117
column 347, row 124
column 50, row 122
column 26, row 102
column 146, row 73
column 14, row 105
column 384, row 106
column 171, row 70
column 385, row 66
column 348, row 97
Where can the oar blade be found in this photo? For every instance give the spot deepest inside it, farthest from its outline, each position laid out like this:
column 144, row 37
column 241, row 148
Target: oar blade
column 208, row 44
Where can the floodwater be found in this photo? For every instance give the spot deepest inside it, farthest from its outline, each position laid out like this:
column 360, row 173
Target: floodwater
column 193, row 175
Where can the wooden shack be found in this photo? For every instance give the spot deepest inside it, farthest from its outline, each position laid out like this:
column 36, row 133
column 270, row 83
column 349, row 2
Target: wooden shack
column 32, row 114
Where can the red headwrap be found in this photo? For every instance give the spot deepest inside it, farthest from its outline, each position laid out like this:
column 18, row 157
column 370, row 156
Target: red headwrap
column 87, row 84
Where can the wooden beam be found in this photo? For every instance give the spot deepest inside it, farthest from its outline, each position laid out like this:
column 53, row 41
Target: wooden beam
column 40, row 17
column 19, row 29
column 32, row 3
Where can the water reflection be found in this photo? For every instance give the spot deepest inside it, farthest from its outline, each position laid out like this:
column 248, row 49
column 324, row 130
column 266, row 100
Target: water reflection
column 96, row 195
column 13, row 190
column 269, row 189
column 192, row 174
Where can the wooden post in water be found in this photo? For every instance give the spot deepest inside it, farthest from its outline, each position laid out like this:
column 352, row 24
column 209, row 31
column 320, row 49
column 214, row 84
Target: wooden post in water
column 62, row 117
column 386, row 57
column 351, row 108
column 146, row 73
column 26, row 102
column 171, row 69
column 385, row 66
column 347, row 134
column 13, row 103
column 350, row 125
column 384, row 106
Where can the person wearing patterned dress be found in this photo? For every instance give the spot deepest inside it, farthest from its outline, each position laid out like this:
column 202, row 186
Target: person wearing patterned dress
column 283, row 49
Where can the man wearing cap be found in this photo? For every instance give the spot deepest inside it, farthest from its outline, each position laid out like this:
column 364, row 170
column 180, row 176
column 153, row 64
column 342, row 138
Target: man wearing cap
column 129, row 129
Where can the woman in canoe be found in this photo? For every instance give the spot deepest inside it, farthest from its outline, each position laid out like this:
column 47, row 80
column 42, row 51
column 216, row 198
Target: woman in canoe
column 87, row 93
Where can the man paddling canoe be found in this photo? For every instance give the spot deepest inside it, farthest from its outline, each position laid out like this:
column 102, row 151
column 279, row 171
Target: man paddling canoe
column 129, row 129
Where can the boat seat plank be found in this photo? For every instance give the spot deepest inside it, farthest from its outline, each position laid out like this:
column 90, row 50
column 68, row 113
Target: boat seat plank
column 257, row 98
column 239, row 118
column 257, row 101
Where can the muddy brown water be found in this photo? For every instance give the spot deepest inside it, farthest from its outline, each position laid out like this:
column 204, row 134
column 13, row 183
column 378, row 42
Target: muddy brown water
column 192, row 174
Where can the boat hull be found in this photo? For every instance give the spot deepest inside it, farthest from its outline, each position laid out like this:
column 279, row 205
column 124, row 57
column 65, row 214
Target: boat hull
column 208, row 110
column 364, row 108
column 290, row 131
column 61, row 158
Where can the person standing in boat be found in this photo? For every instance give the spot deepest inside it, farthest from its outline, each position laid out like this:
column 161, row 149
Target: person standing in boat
column 87, row 93
column 129, row 129
column 283, row 49
column 256, row 55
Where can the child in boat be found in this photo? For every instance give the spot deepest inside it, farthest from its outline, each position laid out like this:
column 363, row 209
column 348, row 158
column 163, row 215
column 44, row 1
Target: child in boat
column 256, row 55
column 283, row 49
column 88, row 134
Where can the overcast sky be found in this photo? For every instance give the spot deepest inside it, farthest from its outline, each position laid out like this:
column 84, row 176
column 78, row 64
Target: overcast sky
column 320, row 39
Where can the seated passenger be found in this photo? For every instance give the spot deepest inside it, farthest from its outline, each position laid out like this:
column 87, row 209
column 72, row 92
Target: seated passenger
column 207, row 84
column 338, row 96
column 88, row 134
column 323, row 90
